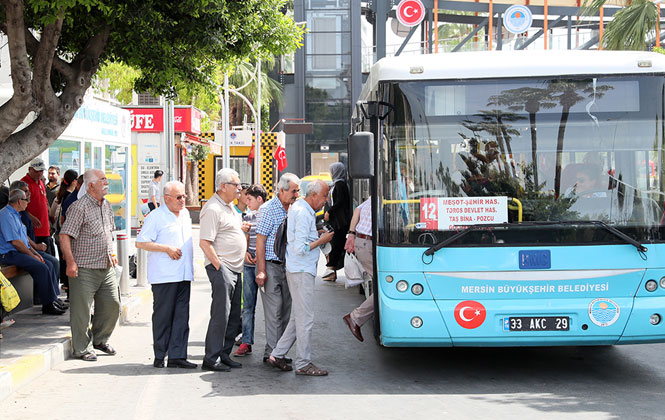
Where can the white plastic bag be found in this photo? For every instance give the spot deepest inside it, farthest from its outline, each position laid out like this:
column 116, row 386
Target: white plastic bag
column 353, row 270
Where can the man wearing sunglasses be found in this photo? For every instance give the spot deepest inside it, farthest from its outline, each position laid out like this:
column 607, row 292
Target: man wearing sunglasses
column 167, row 236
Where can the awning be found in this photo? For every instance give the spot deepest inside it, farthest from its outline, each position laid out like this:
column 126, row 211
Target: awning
column 189, row 138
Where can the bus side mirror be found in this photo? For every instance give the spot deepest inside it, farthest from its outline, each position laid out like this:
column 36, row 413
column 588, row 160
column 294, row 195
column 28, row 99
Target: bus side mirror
column 361, row 155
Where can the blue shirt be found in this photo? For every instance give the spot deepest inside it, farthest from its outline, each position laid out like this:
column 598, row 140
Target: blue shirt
column 11, row 229
column 300, row 232
column 163, row 227
column 29, row 226
column 270, row 216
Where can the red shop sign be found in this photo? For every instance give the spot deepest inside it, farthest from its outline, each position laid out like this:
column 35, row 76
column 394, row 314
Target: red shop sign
column 146, row 119
column 187, row 120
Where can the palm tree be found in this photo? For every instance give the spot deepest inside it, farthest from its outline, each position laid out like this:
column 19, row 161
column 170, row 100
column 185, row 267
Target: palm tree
column 271, row 90
column 630, row 27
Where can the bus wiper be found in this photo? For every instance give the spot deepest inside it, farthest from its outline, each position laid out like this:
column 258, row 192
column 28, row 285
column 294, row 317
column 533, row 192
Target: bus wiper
column 430, row 251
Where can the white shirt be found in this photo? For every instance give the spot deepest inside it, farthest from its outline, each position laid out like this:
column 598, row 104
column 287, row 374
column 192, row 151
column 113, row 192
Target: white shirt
column 155, row 191
column 163, row 227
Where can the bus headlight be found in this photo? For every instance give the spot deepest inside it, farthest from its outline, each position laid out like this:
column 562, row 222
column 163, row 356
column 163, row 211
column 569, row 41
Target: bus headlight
column 390, row 279
column 416, row 322
column 417, row 289
column 653, row 319
column 662, row 282
column 651, row 285
column 402, row 285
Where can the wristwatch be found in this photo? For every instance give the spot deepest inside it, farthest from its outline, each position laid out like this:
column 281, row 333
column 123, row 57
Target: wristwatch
column 352, row 232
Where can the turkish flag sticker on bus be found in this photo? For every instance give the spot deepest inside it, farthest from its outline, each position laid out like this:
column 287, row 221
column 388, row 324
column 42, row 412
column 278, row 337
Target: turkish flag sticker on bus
column 450, row 213
column 470, row 314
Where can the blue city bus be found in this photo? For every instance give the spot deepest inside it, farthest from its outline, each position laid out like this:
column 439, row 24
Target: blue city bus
column 517, row 197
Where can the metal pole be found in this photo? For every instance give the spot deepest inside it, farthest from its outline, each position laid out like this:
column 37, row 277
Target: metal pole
column 226, row 159
column 141, row 265
column 257, row 128
column 121, row 242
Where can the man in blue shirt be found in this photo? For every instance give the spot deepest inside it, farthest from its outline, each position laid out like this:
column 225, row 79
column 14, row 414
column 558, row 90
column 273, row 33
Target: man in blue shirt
column 270, row 273
column 302, row 256
column 15, row 250
column 167, row 236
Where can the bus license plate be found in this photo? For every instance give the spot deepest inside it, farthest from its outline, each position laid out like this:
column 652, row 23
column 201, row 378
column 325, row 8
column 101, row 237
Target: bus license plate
column 536, row 323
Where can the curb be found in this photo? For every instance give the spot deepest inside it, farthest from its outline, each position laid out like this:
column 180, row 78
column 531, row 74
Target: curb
column 31, row 366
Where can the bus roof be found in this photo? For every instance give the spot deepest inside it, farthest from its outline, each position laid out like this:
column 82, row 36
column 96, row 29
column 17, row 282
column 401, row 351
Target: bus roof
column 500, row 64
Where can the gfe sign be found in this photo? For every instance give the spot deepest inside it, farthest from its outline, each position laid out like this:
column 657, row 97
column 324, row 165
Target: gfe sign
column 410, row 12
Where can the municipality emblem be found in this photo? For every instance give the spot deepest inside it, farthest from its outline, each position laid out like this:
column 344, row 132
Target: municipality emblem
column 603, row 312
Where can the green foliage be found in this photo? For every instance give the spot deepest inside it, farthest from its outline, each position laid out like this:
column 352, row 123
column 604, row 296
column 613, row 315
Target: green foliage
column 629, row 27
column 199, row 152
column 117, row 80
column 173, row 44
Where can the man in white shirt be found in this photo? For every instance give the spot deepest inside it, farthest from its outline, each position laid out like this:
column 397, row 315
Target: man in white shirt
column 224, row 244
column 155, row 191
column 167, row 236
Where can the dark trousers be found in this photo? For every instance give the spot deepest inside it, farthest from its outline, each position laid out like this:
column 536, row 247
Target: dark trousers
column 170, row 319
column 63, row 268
column 224, row 312
column 43, row 274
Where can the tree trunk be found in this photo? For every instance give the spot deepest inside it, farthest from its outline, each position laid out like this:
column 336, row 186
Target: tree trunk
column 192, row 184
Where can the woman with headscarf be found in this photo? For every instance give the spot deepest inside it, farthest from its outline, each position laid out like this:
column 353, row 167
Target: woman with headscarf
column 339, row 217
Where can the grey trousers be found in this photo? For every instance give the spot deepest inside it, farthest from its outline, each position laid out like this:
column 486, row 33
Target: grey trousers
column 224, row 312
column 299, row 329
column 99, row 286
column 276, row 299
column 364, row 312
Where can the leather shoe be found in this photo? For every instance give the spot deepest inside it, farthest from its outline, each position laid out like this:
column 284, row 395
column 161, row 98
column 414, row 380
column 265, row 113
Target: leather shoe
column 52, row 309
column 225, row 359
column 217, row 367
column 62, row 303
column 355, row 329
column 286, row 359
column 181, row 363
column 158, row 363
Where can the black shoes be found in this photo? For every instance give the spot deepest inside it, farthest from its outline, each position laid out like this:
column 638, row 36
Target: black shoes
column 62, row 304
column 52, row 309
column 158, row 363
column 225, row 359
column 180, row 363
column 217, row 367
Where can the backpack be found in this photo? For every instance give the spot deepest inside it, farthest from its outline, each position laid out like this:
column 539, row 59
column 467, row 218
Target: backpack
column 280, row 240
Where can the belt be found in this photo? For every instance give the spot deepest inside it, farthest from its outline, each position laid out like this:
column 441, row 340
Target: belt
column 362, row 236
column 275, row 262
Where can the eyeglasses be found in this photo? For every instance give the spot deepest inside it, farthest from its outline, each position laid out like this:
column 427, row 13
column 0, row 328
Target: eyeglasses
column 24, row 199
column 236, row 184
column 178, row 197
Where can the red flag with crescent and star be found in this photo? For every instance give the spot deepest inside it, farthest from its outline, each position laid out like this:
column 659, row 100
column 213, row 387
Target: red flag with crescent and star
column 250, row 157
column 280, row 157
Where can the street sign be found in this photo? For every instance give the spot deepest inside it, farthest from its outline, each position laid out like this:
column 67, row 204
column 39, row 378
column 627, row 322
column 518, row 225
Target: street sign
column 410, row 12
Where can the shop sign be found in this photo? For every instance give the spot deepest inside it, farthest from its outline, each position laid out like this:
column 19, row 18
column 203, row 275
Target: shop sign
column 187, row 120
column 96, row 120
column 147, row 119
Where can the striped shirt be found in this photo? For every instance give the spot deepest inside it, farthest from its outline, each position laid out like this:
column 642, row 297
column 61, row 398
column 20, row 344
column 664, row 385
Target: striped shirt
column 90, row 226
column 271, row 215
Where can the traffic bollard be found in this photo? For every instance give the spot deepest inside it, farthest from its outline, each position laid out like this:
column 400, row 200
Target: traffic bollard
column 123, row 260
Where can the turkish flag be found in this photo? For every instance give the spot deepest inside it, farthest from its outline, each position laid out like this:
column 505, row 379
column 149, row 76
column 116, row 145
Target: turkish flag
column 280, row 156
column 470, row 314
column 250, row 157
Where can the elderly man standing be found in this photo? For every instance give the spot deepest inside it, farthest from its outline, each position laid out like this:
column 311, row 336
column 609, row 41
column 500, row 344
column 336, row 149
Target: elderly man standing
column 302, row 256
column 15, row 249
column 270, row 273
column 223, row 242
column 38, row 206
column 86, row 239
column 167, row 236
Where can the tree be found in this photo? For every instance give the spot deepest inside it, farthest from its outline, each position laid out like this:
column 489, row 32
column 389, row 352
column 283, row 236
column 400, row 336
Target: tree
column 630, row 27
column 57, row 46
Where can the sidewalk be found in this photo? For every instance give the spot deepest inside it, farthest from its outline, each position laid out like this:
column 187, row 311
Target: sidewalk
column 36, row 343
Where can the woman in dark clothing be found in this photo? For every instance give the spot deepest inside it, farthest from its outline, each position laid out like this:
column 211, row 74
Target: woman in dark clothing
column 67, row 186
column 339, row 217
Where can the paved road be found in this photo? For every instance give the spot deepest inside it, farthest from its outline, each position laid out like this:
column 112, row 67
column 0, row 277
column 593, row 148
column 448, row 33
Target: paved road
column 365, row 380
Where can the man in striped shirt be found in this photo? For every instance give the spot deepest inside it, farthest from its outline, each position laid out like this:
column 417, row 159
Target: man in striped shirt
column 270, row 272
column 86, row 240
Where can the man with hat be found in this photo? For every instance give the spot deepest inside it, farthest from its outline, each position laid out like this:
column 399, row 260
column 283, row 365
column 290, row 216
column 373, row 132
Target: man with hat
column 38, row 206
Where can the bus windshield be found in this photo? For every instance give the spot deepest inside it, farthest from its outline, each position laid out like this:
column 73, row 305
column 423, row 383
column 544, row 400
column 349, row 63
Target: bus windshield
column 573, row 148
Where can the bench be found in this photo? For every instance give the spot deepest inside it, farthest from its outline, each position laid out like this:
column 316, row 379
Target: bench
column 22, row 282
